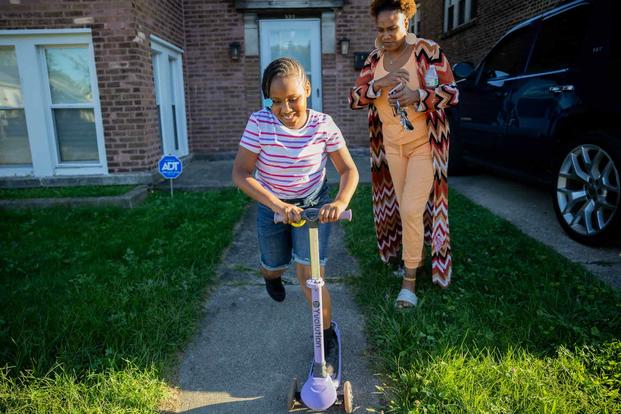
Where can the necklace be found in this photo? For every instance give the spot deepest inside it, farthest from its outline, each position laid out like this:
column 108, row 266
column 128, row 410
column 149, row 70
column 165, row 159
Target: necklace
column 394, row 59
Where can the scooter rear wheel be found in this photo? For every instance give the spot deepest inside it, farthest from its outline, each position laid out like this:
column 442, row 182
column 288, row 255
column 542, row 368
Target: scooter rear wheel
column 293, row 389
column 348, row 398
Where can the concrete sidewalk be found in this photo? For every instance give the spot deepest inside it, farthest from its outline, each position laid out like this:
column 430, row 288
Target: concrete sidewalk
column 249, row 347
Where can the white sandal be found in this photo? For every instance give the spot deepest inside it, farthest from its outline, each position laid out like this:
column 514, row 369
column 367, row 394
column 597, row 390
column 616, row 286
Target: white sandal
column 407, row 296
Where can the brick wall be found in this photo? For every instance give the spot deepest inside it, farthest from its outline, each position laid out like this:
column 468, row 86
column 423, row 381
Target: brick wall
column 120, row 31
column 164, row 19
column 222, row 93
column 354, row 22
column 475, row 39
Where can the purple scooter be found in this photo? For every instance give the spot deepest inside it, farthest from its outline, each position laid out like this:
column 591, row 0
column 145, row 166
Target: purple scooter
column 319, row 392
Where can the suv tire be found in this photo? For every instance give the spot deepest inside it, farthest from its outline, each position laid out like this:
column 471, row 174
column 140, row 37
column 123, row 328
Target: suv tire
column 587, row 187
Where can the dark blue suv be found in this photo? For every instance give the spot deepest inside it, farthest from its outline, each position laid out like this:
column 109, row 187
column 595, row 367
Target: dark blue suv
column 545, row 104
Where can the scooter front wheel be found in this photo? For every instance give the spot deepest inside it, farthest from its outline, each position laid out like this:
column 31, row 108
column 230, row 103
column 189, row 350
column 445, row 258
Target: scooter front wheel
column 291, row 396
column 348, row 398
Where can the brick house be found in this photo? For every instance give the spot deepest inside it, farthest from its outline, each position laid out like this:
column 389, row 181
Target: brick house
column 467, row 29
column 99, row 90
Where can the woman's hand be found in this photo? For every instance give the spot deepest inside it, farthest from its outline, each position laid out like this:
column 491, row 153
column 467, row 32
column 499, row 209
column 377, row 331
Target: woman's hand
column 289, row 212
column 393, row 79
column 332, row 211
column 405, row 96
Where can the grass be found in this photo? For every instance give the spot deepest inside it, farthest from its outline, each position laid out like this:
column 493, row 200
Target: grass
column 95, row 302
column 58, row 192
column 520, row 330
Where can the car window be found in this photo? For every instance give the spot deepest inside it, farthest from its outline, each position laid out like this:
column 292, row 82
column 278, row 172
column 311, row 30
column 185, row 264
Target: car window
column 509, row 56
column 560, row 41
column 616, row 37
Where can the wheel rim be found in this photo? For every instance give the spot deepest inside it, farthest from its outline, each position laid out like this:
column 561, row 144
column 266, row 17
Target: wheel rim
column 588, row 189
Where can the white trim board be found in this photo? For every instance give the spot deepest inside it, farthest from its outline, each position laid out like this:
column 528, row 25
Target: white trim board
column 38, row 32
column 164, row 43
column 29, row 46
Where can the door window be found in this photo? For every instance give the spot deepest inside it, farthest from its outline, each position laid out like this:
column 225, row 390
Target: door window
column 508, row 57
column 299, row 39
column 560, row 41
column 615, row 50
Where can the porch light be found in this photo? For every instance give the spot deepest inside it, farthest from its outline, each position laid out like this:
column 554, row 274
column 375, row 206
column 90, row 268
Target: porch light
column 344, row 45
column 234, row 50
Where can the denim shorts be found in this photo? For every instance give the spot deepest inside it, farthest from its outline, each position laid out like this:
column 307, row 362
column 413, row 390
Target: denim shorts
column 280, row 244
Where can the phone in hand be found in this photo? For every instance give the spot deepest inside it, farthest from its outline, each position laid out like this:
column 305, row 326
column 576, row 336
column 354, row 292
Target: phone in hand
column 393, row 90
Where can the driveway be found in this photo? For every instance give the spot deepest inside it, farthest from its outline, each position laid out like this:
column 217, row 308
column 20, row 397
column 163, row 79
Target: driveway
column 530, row 209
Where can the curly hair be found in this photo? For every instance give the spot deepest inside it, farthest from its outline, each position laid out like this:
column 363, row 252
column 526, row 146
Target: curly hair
column 407, row 7
column 281, row 67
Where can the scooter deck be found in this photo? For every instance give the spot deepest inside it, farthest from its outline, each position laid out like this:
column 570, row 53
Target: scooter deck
column 336, row 376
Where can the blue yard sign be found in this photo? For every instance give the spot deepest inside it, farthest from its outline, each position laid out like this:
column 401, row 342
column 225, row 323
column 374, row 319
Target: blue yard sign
column 170, row 167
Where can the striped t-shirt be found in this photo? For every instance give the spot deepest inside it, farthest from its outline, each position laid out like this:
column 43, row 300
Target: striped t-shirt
column 291, row 162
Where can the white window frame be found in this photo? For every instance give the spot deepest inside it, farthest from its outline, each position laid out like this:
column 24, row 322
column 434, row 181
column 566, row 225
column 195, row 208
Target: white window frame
column 416, row 20
column 163, row 53
column 469, row 14
column 29, row 45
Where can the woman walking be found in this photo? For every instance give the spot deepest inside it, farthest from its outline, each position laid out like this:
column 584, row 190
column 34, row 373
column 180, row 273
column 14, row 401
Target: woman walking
column 406, row 83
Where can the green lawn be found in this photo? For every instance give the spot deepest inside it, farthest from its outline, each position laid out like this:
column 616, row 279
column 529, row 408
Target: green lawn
column 95, row 303
column 520, row 330
column 55, row 192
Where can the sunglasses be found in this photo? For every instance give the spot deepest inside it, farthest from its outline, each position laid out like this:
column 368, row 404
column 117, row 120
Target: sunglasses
column 404, row 121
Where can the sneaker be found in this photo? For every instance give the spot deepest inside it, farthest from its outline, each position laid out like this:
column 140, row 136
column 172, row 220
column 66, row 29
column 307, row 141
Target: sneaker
column 275, row 289
column 331, row 351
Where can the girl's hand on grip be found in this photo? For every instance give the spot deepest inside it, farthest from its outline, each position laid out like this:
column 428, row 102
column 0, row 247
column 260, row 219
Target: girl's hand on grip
column 331, row 212
column 289, row 212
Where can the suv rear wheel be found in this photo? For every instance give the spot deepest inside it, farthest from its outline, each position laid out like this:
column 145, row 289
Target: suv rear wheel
column 588, row 189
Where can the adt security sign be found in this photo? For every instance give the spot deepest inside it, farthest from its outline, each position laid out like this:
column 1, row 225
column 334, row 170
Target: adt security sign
column 170, row 167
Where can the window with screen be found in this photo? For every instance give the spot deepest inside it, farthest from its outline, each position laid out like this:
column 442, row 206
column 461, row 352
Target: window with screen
column 457, row 13
column 416, row 22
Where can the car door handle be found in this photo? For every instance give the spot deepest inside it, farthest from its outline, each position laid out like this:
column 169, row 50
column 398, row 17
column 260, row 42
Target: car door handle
column 561, row 89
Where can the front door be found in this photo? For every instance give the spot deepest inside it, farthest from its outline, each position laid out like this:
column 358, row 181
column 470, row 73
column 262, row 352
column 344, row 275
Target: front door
column 169, row 96
column 299, row 39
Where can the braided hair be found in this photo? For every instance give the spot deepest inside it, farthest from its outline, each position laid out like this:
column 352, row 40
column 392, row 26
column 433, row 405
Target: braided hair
column 407, row 7
column 281, row 67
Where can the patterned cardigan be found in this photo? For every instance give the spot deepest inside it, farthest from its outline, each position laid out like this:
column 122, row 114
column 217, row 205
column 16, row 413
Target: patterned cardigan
column 385, row 206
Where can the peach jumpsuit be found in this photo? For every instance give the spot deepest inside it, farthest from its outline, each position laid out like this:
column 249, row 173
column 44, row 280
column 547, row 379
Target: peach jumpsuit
column 409, row 160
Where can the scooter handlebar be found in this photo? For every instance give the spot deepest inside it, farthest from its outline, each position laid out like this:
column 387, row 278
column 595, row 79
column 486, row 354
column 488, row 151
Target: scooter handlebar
column 345, row 216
